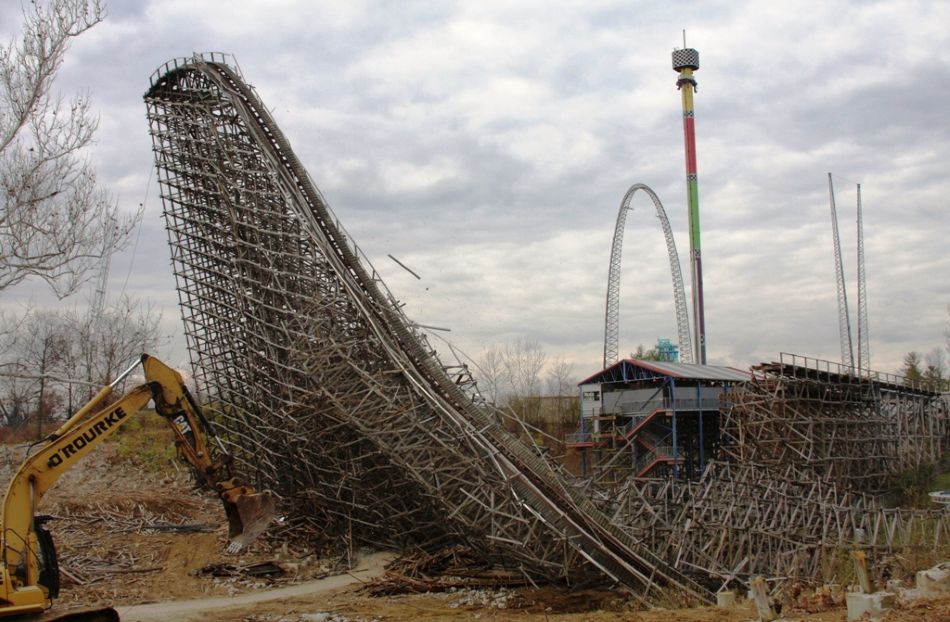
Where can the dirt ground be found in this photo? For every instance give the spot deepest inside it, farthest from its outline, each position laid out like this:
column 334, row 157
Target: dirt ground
column 129, row 536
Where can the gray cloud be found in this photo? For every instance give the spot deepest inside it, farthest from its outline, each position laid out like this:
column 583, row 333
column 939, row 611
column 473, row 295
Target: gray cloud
column 488, row 146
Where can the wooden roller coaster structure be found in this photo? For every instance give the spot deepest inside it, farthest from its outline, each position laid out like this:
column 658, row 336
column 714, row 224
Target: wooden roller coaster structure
column 330, row 396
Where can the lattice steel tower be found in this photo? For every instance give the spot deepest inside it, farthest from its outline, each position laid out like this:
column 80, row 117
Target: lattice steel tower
column 864, row 350
column 844, row 314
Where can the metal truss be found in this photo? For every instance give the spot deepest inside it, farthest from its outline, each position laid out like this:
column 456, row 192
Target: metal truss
column 844, row 315
column 864, row 349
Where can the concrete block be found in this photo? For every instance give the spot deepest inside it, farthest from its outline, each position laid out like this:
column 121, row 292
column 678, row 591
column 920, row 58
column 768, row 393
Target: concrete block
column 893, row 585
column 726, row 599
column 872, row 604
column 935, row 582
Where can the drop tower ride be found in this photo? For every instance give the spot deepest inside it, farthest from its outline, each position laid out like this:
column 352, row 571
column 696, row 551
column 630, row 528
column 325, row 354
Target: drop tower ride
column 686, row 61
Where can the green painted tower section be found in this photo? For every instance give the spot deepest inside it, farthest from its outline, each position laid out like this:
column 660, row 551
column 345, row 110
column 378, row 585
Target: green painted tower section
column 685, row 62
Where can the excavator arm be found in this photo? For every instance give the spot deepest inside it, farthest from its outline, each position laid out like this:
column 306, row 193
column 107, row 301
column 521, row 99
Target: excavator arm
column 248, row 512
column 28, row 572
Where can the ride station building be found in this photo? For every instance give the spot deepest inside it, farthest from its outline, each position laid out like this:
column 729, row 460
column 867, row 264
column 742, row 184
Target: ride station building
column 651, row 419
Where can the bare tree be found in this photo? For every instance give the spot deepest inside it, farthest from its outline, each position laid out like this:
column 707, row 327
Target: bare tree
column 937, row 360
column 103, row 345
column 559, row 377
column 523, row 360
column 560, row 384
column 32, row 371
column 16, row 393
column 59, row 359
column 16, row 401
column 45, row 351
column 935, row 370
column 55, row 219
column 492, row 379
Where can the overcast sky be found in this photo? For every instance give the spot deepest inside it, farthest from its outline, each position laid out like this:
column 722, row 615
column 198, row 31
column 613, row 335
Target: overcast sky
column 487, row 146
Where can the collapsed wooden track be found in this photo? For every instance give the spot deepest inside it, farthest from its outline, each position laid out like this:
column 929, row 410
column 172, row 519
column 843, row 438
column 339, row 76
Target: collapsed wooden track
column 327, row 393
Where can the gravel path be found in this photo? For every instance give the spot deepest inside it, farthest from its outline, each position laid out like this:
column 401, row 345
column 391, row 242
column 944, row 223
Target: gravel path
column 184, row 610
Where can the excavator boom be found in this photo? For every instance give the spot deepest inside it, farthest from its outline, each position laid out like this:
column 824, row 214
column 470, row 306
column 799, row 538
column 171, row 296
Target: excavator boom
column 29, row 577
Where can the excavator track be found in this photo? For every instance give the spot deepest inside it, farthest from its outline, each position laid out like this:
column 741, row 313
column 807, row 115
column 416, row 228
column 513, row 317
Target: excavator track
column 103, row 614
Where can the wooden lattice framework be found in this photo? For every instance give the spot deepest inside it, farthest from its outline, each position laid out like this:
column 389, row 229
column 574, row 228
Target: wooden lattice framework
column 860, row 430
column 740, row 521
column 327, row 393
column 807, row 444
column 330, row 396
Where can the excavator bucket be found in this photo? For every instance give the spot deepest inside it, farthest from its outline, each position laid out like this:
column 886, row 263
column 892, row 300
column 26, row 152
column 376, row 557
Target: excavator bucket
column 248, row 516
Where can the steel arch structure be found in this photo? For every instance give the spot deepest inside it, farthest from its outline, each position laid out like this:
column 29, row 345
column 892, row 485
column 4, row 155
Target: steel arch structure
column 612, row 315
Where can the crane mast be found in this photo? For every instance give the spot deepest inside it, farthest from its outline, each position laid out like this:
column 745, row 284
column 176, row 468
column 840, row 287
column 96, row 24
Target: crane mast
column 864, row 351
column 844, row 320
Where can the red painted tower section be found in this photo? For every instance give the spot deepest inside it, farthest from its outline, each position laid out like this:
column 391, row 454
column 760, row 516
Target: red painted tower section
column 686, row 61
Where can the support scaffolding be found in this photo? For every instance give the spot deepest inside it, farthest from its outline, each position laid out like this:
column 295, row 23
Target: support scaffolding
column 744, row 520
column 808, row 444
column 861, row 430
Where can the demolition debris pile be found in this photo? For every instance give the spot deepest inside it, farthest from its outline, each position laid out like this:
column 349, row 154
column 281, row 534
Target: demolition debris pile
column 330, row 396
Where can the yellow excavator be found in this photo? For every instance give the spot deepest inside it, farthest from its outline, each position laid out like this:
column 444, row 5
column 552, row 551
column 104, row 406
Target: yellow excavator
column 29, row 571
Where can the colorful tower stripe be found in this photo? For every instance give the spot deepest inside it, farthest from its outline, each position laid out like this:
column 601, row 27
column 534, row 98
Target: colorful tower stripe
column 686, row 61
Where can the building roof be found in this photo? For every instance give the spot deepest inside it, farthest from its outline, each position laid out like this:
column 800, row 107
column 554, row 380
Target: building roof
column 625, row 370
